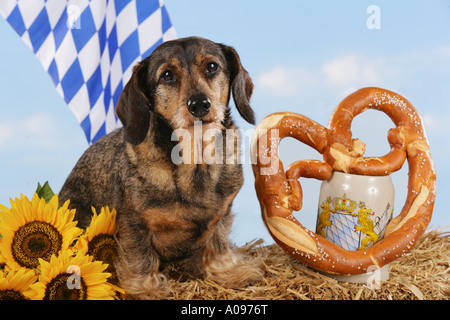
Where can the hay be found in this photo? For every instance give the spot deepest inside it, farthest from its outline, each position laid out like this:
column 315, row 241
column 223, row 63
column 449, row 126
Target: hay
column 424, row 273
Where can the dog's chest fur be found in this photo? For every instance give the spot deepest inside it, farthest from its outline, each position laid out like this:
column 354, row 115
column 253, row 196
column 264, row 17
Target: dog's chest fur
column 184, row 202
column 174, row 208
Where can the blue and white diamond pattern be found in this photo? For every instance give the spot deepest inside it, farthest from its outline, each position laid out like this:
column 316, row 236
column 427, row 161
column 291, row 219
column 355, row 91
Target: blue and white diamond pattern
column 342, row 230
column 89, row 49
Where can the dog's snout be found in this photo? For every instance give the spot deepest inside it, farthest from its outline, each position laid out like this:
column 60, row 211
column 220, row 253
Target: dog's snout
column 199, row 105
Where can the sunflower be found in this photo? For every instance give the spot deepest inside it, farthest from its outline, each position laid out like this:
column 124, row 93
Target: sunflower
column 98, row 240
column 14, row 283
column 35, row 229
column 71, row 276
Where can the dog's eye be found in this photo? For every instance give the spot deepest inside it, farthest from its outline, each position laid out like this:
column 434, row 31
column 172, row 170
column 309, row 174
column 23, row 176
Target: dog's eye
column 168, row 76
column 211, row 68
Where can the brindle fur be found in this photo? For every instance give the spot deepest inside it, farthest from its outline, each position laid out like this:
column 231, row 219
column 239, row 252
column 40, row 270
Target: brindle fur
column 173, row 216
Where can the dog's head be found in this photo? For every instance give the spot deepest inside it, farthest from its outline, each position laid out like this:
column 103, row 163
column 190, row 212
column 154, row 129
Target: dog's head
column 183, row 81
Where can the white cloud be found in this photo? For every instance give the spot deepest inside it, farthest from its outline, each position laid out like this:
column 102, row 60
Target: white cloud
column 444, row 50
column 40, row 126
column 352, row 69
column 283, row 80
column 436, row 124
column 6, row 132
column 341, row 71
column 344, row 73
column 356, row 70
column 277, row 80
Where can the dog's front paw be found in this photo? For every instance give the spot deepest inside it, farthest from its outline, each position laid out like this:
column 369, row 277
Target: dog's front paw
column 149, row 287
column 234, row 270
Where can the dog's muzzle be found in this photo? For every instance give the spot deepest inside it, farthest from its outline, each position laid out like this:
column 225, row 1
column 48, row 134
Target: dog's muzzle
column 199, row 105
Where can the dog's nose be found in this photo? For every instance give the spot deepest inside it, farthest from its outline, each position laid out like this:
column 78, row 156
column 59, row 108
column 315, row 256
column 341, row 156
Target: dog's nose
column 199, row 105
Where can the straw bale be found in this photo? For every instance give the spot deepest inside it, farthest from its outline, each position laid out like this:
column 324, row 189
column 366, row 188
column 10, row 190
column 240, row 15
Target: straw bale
column 423, row 274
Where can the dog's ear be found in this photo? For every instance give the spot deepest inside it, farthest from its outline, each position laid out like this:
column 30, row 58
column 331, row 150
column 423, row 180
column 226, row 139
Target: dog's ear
column 133, row 107
column 241, row 84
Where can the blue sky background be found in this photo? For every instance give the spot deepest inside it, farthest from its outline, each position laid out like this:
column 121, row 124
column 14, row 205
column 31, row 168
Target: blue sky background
column 303, row 56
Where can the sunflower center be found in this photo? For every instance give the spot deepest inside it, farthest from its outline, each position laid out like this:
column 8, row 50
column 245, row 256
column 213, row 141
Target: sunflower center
column 60, row 288
column 103, row 247
column 11, row 295
column 34, row 240
column 38, row 244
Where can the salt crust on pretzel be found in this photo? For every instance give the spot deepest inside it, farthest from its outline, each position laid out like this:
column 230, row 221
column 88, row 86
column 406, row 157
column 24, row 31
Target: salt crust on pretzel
column 280, row 193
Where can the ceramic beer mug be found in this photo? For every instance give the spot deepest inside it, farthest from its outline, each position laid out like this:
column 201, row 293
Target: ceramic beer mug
column 354, row 211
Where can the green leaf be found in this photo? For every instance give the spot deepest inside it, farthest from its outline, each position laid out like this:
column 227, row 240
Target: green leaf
column 45, row 191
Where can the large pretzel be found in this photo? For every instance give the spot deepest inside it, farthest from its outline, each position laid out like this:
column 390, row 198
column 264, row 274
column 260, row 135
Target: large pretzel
column 280, row 193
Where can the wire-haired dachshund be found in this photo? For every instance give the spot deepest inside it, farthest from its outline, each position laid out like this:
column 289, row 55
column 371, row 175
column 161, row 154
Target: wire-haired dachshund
column 171, row 215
